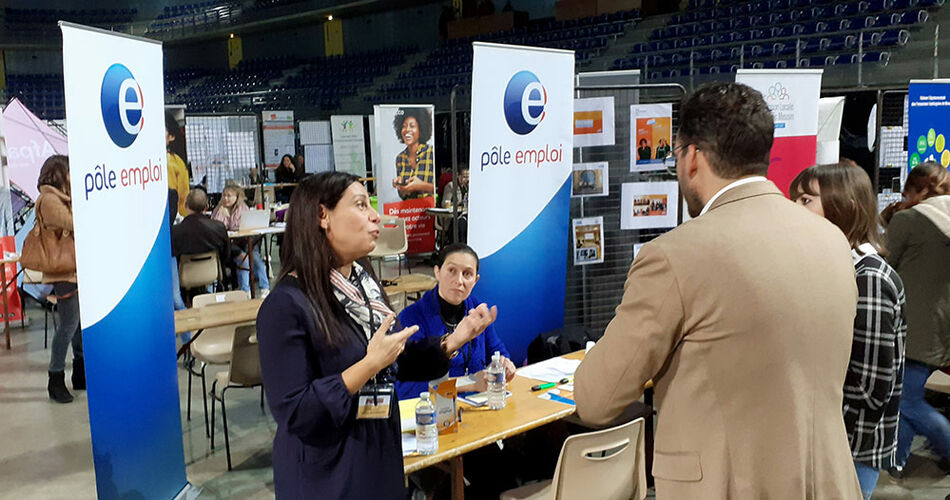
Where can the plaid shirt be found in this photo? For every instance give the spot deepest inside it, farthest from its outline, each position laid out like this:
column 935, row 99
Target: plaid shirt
column 872, row 387
column 425, row 168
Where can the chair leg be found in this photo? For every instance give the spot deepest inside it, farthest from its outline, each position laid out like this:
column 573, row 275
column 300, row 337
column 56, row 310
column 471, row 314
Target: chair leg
column 204, row 392
column 224, row 418
column 188, row 368
column 45, row 329
column 213, row 399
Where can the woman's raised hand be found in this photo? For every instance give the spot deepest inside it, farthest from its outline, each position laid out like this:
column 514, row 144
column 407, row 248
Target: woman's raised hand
column 383, row 349
column 474, row 323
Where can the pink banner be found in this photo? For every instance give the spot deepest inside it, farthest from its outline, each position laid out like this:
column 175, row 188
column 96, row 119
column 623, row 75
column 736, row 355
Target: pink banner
column 791, row 155
column 29, row 143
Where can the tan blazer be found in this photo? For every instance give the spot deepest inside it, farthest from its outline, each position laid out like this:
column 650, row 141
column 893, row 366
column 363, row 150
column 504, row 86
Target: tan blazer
column 743, row 318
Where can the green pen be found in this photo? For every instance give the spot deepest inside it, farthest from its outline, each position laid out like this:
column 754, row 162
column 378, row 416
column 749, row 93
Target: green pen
column 541, row 387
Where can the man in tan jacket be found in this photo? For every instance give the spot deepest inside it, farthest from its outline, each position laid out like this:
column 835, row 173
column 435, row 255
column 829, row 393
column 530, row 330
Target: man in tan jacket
column 742, row 317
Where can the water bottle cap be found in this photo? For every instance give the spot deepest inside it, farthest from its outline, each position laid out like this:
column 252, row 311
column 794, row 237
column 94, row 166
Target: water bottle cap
column 424, row 395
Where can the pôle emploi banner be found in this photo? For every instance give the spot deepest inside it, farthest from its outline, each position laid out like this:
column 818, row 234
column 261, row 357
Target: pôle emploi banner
column 115, row 115
column 792, row 95
column 927, row 118
column 521, row 144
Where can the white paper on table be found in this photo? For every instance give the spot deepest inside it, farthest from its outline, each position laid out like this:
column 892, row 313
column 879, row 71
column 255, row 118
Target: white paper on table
column 408, row 444
column 407, row 424
column 551, row 370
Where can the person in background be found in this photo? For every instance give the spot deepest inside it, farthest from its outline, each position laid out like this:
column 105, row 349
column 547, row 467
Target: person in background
column 443, row 310
column 415, row 165
column 457, row 191
column 286, row 173
column 301, row 167
column 662, row 149
column 54, row 207
column 743, row 324
column 198, row 233
column 324, row 336
column 177, row 170
column 644, row 151
column 229, row 211
column 842, row 193
column 918, row 245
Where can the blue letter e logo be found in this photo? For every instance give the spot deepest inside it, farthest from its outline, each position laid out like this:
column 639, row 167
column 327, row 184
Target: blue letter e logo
column 524, row 102
column 122, row 105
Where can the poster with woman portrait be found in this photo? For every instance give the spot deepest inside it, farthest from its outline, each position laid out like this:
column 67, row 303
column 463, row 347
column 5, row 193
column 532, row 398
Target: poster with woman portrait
column 651, row 136
column 405, row 163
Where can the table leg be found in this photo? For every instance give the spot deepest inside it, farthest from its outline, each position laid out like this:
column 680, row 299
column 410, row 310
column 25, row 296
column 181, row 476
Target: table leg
column 458, row 478
column 250, row 264
column 6, row 307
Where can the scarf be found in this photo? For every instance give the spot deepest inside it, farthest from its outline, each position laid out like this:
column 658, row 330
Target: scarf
column 351, row 298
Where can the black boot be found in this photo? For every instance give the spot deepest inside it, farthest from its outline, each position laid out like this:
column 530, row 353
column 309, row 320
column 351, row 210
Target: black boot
column 57, row 388
column 79, row 374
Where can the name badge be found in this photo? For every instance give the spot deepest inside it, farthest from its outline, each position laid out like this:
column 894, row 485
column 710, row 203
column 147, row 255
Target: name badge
column 375, row 401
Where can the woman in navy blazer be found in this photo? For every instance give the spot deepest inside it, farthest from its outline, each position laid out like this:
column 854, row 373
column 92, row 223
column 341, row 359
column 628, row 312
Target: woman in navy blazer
column 324, row 334
column 441, row 311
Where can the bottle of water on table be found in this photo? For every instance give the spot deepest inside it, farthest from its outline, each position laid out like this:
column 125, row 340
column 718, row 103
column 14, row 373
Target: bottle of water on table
column 427, row 433
column 497, row 387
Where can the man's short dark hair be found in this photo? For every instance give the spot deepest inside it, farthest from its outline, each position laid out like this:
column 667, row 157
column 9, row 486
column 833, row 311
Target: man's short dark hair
column 423, row 118
column 732, row 126
column 457, row 248
column 197, row 201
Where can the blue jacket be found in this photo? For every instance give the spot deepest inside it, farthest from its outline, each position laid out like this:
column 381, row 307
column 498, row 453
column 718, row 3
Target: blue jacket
column 476, row 353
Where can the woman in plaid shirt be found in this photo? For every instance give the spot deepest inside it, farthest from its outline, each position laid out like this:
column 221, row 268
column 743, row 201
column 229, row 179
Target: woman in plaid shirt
column 842, row 193
column 415, row 165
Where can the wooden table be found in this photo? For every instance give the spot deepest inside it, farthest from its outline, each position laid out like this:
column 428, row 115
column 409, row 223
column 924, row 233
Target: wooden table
column 411, row 283
column 210, row 316
column 480, row 427
column 250, row 234
column 10, row 259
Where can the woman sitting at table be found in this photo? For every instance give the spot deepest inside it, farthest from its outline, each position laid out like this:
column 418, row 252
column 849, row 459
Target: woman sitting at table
column 229, row 212
column 442, row 311
column 326, row 350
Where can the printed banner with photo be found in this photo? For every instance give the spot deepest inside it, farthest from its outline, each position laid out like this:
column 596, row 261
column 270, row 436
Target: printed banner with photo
column 650, row 142
column 792, row 95
column 406, row 169
column 589, row 179
column 349, row 148
column 588, row 240
column 279, row 137
column 594, row 122
column 646, row 205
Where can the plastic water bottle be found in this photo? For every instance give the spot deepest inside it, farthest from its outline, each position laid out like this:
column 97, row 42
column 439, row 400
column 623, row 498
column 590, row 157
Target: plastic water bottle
column 497, row 387
column 427, row 434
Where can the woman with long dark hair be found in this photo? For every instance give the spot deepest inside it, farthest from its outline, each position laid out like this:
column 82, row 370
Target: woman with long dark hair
column 328, row 354
column 54, row 210
column 842, row 193
column 918, row 242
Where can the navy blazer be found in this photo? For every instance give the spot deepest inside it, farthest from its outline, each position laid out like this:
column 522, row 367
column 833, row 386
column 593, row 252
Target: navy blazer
column 321, row 450
column 476, row 353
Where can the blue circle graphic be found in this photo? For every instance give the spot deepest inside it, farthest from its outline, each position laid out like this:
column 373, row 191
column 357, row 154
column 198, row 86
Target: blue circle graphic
column 122, row 105
column 524, row 102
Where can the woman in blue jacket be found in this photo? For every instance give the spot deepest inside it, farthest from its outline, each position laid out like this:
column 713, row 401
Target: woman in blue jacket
column 444, row 310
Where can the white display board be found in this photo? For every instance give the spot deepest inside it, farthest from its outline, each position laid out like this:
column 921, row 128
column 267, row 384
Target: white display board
column 221, row 148
column 349, row 144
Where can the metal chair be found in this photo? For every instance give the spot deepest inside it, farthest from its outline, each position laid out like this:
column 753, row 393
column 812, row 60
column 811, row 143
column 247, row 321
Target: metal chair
column 608, row 464
column 244, row 373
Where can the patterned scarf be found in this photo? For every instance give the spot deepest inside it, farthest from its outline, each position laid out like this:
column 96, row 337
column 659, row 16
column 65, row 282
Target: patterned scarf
column 351, row 298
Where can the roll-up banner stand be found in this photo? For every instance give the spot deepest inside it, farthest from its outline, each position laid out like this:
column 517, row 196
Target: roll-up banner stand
column 115, row 115
column 928, row 116
column 521, row 155
column 792, row 95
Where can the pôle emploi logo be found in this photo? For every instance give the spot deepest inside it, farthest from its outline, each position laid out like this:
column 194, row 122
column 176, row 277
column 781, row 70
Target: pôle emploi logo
column 123, row 106
column 525, row 98
column 524, row 101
